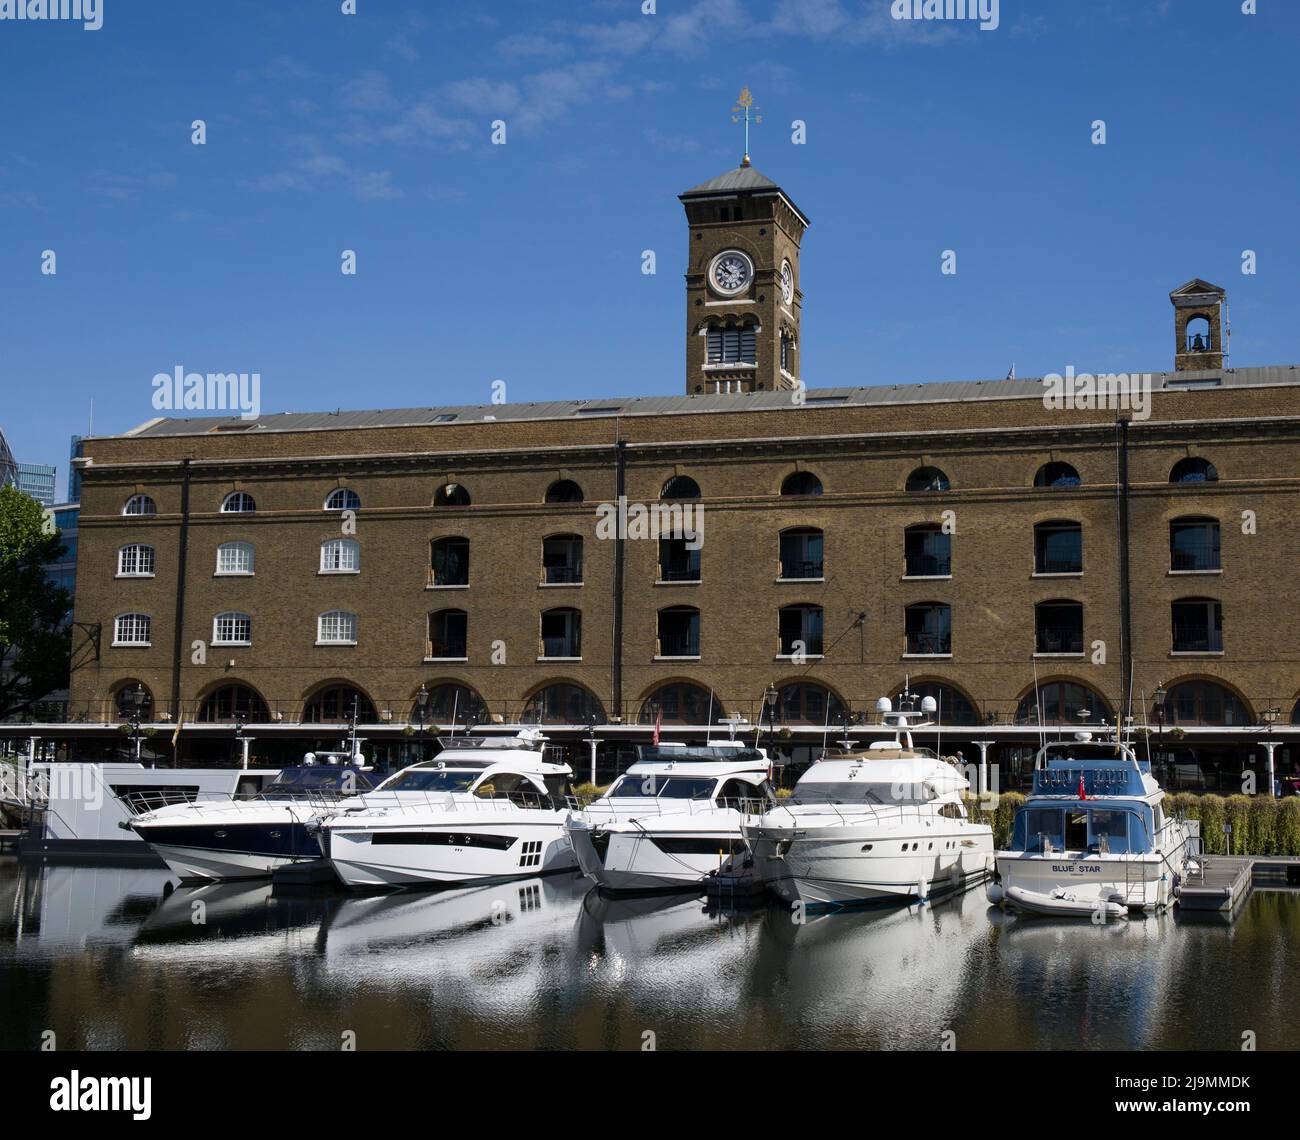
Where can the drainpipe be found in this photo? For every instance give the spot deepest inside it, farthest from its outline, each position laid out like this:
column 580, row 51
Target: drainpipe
column 620, row 487
column 1125, row 601
column 181, row 557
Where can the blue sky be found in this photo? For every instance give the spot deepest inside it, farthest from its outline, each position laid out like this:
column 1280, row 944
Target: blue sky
column 523, row 262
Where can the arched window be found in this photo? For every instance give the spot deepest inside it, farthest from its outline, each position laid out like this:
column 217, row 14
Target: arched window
column 451, row 704
column 451, row 495
column 233, row 702
column 1194, row 545
column 1194, row 470
column 1204, row 702
column 801, row 483
column 561, row 633
column 928, row 629
column 806, row 702
column 235, row 558
column 449, row 561
column 1058, row 627
column 1198, row 625
column 1198, row 334
column 135, row 561
column 238, row 503
column 338, row 627
column 132, row 629
column 340, row 556
column 1295, row 713
column 927, row 551
column 564, row 491
column 124, row 701
column 678, row 632
column 448, row 635
column 343, row 499
column 927, row 479
column 680, row 487
column 563, row 703
column 954, row 707
column 140, row 506
column 1062, row 702
column 1058, row 547
column 339, row 704
column 681, row 702
column 232, row 629
column 799, row 631
column 562, row 560
column 801, row 553
column 1057, row 475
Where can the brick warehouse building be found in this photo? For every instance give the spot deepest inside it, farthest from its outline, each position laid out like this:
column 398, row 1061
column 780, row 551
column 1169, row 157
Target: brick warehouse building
column 1030, row 565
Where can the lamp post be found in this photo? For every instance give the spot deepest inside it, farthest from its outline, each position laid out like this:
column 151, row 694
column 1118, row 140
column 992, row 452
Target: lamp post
column 770, row 697
column 421, row 700
column 240, row 745
column 1270, row 717
column 591, row 742
column 1160, row 694
column 137, row 706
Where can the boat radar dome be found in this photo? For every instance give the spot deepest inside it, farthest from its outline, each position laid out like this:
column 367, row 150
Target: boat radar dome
column 309, row 759
column 929, row 705
column 884, row 705
column 1083, row 737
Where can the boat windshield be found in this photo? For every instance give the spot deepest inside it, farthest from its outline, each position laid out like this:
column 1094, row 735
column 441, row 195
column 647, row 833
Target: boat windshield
column 860, row 792
column 299, row 781
column 433, row 780
column 1104, row 830
column 669, row 787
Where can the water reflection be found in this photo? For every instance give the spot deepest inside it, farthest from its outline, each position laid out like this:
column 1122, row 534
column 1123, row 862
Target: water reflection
column 126, row 958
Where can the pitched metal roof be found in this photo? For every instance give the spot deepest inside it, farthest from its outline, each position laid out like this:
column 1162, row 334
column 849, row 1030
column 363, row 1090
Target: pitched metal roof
column 742, row 178
column 881, row 395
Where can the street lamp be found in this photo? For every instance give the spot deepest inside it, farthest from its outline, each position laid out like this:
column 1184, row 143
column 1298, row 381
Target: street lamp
column 137, row 707
column 1160, row 694
column 770, row 697
column 239, row 739
column 421, row 700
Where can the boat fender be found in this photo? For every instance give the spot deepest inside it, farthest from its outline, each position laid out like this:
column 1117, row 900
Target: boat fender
column 994, row 893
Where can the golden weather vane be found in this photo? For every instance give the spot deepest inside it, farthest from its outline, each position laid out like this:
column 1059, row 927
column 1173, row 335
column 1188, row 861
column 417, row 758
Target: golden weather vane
column 742, row 112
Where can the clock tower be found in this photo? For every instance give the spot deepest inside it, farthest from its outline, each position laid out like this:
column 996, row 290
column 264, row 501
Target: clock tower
column 743, row 295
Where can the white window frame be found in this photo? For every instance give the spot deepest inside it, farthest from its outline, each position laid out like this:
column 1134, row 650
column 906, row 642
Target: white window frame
column 349, row 506
column 347, row 620
column 234, row 618
column 138, row 548
column 241, row 547
column 227, row 509
column 140, row 623
column 333, row 559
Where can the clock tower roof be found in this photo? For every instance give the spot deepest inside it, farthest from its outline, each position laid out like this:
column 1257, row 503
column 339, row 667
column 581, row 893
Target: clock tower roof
column 743, row 180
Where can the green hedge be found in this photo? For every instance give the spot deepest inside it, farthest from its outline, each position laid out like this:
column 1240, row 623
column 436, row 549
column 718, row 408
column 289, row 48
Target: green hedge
column 1261, row 825
column 1000, row 818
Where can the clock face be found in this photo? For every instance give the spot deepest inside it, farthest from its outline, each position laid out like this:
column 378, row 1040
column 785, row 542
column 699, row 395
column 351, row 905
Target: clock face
column 787, row 282
column 731, row 272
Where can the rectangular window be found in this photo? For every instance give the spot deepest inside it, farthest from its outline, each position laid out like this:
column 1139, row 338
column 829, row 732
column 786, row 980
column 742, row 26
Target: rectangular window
column 340, row 556
column 929, row 630
column 131, row 629
column 562, row 633
column 235, row 558
column 1198, row 627
column 732, row 345
column 337, row 629
column 1194, row 546
column 1058, row 548
column 232, row 629
column 448, row 634
column 801, row 554
column 133, row 561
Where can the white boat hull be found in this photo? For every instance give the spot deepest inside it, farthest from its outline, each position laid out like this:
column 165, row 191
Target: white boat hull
column 635, row 860
column 1136, row 882
column 193, row 863
column 444, row 854
column 826, row 867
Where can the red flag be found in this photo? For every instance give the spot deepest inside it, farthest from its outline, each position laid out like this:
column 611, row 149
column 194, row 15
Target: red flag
column 659, row 723
column 1083, row 795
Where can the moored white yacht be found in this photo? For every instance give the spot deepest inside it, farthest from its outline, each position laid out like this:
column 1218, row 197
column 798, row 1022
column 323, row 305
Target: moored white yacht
column 227, row 837
column 875, row 824
column 486, row 808
column 1092, row 839
column 672, row 818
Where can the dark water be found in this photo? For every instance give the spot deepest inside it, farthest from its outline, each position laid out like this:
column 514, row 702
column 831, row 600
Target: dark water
column 108, row 959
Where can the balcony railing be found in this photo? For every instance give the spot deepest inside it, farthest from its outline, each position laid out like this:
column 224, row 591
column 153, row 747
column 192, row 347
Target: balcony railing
column 457, row 577
column 444, row 648
column 1059, row 565
column 1197, row 639
column 800, row 568
column 1194, row 556
column 679, row 570
column 558, row 575
column 929, row 643
column 679, row 645
column 929, row 565
column 1060, row 639
column 560, row 647
column 812, row 646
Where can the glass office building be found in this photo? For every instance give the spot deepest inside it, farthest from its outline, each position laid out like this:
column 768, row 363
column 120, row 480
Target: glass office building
column 37, row 480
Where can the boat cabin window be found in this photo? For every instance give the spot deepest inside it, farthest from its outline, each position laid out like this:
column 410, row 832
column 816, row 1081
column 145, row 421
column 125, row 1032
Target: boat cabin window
column 1038, row 829
column 665, row 787
column 1105, row 831
column 734, row 791
column 861, row 792
column 433, row 780
column 560, row 786
column 505, row 784
column 952, row 811
column 299, row 781
column 1110, row 832
column 1076, row 830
